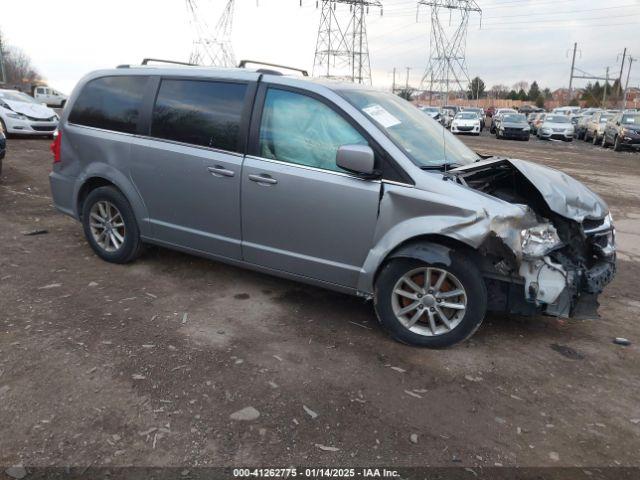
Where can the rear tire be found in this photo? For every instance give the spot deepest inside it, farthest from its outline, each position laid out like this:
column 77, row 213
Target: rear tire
column 118, row 239
column 430, row 329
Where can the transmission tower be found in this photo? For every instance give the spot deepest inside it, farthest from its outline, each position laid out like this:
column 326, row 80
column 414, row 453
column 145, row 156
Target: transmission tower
column 212, row 46
column 447, row 67
column 342, row 50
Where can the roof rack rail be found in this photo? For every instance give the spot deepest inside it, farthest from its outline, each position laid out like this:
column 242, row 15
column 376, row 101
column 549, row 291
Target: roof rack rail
column 243, row 64
column 173, row 62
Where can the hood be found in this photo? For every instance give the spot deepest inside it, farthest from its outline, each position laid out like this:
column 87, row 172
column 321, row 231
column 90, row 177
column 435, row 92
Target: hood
column 563, row 194
column 33, row 110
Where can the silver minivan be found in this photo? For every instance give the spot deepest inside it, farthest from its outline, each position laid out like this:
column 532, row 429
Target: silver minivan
column 335, row 185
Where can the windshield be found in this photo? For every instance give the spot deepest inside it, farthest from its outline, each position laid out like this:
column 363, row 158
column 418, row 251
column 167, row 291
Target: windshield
column 631, row 118
column 430, row 109
column 467, row 116
column 514, row 118
column 426, row 142
column 557, row 119
column 14, row 96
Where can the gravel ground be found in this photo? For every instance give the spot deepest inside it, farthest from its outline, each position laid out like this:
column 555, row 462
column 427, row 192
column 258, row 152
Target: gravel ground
column 176, row 360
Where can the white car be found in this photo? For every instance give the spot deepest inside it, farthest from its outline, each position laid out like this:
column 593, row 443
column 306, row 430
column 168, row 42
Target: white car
column 556, row 127
column 466, row 122
column 50, row 97
column 21, row 114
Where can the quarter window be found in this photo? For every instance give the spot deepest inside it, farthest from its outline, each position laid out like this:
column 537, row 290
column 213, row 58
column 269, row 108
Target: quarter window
column 198, row 112
column 299, row 129
column 112, row 103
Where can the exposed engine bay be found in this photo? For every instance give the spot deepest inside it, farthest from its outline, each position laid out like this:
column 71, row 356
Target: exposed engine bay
column 564, row 254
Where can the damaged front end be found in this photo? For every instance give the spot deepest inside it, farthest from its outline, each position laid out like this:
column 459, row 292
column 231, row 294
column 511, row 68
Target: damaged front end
column 559, row 255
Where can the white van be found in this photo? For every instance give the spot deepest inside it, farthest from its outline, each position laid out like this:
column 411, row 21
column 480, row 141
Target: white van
column 49, row 96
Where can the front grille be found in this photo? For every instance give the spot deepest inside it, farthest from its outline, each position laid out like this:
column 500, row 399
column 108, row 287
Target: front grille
column 40, row 128
column 465, row 129
column 558, row 129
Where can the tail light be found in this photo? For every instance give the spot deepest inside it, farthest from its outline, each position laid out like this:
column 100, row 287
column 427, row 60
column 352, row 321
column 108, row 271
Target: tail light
column 55, row 146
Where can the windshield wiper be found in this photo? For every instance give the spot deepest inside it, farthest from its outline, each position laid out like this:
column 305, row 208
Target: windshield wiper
column 440, row 166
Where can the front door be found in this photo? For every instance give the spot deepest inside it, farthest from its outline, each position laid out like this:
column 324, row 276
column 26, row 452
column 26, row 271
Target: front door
column 301, row 213
column 188, row 172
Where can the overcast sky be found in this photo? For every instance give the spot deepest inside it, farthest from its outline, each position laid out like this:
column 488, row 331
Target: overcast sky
column 518, row 40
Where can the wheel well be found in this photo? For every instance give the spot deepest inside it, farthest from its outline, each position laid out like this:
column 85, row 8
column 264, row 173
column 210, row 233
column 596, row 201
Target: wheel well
column 88, row 186
column 452, row 243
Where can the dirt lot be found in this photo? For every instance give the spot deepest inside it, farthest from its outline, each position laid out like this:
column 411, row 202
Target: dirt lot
column 144, row 364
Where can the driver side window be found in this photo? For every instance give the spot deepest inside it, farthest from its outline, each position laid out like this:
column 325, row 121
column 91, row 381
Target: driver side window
column 302, row 130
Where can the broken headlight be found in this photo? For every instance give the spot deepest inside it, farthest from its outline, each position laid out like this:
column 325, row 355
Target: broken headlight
column 539, row 240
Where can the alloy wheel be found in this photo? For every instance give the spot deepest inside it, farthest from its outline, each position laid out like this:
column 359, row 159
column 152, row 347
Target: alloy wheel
column 429, row 301
column 107, row 226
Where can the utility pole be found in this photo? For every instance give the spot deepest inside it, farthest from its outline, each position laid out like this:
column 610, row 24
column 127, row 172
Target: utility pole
column 626, row 87
column 407, row 84
column 573, row 64
column 604, row 92
column 624, row 54
column 393, row 85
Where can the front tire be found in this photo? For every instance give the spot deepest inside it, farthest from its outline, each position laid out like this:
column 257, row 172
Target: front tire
column 110, row 225
column 430, row 305
column 617, row 145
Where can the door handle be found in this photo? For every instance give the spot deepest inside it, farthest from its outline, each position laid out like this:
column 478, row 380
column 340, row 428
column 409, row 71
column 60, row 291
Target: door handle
column 263, row 178
column 219, row 171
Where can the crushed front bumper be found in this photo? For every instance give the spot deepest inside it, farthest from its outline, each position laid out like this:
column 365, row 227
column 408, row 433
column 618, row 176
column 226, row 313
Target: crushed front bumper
column 562, row 285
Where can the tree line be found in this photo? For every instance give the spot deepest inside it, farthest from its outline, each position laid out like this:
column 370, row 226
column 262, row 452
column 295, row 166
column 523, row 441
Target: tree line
column 18, row 68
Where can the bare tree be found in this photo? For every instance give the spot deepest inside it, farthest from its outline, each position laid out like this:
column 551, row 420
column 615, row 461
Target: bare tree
column 499, row 91
column 521, row 85
column 18, row 68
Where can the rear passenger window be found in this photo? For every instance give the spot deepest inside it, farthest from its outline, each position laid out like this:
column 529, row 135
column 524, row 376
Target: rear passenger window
column 112, row 103
column 199, row 112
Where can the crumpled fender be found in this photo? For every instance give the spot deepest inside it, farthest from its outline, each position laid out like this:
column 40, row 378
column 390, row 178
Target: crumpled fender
column 446, row 209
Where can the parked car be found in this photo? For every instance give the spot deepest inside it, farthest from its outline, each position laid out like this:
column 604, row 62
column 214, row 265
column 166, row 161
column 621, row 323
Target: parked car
column 466, row 122
column 452, row 108
column 335, row 185
column 20, row 114
column 513, row 125
column 3, row 147
column 538, row 120
column 495, row 121
column 446, row 117
column 50, row 96
column 566, row 110
column 556, row 127
column 622, row 131
column 480, row 113
column 581, row 127
column 595, row 127
column 433, row 112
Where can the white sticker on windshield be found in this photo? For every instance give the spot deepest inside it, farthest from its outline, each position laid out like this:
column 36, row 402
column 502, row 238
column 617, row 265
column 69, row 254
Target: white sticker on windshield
column 381, row 116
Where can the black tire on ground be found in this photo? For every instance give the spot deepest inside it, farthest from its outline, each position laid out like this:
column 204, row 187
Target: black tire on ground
column 526, row 139
column 4, row 128
column 469, row 276
column 604, row 143
column 586, row 137
column 617, row 145
column 63, row 103
column 132, row 245
column 594, row 140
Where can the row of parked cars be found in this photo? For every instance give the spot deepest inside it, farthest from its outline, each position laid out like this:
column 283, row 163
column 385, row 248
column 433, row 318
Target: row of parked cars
column 619, row 129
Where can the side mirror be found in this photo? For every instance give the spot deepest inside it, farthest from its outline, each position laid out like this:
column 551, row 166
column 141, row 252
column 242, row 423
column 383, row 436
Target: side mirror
column 356, row 159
